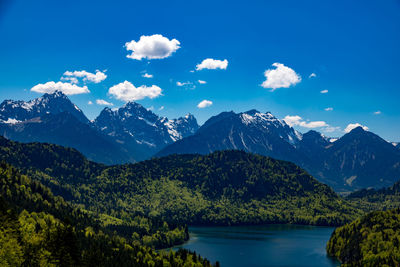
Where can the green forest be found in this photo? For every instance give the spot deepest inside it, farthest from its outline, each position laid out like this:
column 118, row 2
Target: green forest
column 373, row 240
column 58, row 207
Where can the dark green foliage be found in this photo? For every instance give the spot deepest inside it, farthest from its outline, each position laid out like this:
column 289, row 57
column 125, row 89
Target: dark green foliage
column 373, row 240
column 229, row 187
column 381, row 199
column 39, row 229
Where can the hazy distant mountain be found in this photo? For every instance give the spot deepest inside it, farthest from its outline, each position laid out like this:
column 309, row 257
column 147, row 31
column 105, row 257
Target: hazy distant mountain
column 358, row 159
column 141, row 131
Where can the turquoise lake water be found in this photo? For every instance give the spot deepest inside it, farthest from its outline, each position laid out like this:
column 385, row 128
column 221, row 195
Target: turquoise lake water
column 267, row 245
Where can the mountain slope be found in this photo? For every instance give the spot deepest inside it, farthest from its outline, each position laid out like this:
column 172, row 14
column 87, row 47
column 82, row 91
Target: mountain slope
column 19, row 111
column 361, row 159
column 250, row 131
column 357, row 160
column 65, row 129
column 141, row 131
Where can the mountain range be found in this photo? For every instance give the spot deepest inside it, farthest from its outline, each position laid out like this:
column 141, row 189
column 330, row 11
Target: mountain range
column 131, row 133
column 359, row 159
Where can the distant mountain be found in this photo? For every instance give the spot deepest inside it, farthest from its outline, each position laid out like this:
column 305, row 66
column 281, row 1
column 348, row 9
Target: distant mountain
column 250, row 131
column 129, row 134
column 12, row 112
column 141, row 131
column 66, row 130
column 359, row 159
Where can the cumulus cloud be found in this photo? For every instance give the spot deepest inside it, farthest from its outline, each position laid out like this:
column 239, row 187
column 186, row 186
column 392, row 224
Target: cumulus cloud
column 90, row 102
column 212, row 64
column 126, row 91
column 299, row 121
column 377, row 112
column 146, row 75
column 324, row 91
column 87, row 76
column 66, row 88
column 329, row 109
column 280, row 77
column 312, row 75
column 201, row 82
column 102, row 102
column 152, row 47
column 182, row 83
column 204, row 104
column 352, row 126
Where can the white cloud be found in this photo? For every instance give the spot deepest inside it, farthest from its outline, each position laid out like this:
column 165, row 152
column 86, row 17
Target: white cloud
column 352, row 126
column 73, row 80
column 280, row 77
column 161, row 108
column 66, row 88
column 312, row 75
column 377, row 112
column 146, row 75
column 204, row 104
column 90, row 102
column 212, row 64
column 102, row 102
column 324, row 91
column 87, row 76
column 152, row 47
column 126, row 91
column 187, row 85
column 299, row 121
column 201, row 82
column 182, row 83
column 329, row 109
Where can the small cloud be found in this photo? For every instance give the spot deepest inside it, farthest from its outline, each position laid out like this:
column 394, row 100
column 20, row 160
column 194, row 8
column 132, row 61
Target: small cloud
column 299, row 121
column 126, row 91
column 187, row 85
column 87, row 76
column 377, row 112
column 90, row 102
column 182, row 83
column 66, row 88
column 201, row 82
column 280, row 77
column 102, row 102
column 312, row 75
column 204, row 104
column 324, row 91
column 329, row 109
column 146, row 75
column 152, row 47
column 161, row 108
column 212, row 64
column 151, row 108
column 352, row 126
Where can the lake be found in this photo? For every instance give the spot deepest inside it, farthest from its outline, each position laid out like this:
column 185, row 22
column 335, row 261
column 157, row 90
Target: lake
column 267, row 245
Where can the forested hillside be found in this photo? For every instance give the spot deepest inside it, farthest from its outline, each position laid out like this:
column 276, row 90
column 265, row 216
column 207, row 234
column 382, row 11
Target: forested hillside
column 373, row 240
column 230, row 187
column 40, row 229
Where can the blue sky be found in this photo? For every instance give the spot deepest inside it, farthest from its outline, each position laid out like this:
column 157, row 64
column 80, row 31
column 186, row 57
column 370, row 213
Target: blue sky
column 351, row 46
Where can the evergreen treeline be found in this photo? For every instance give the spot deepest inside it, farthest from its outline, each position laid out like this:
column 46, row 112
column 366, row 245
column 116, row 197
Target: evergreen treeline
column 40, row 229
column 373, row 240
